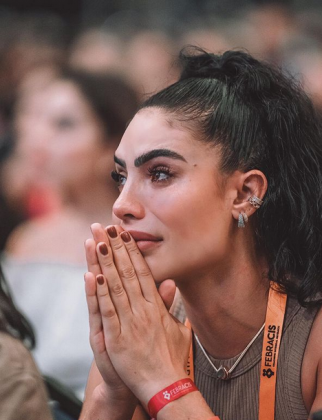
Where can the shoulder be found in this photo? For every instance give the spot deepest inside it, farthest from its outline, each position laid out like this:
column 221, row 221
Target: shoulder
column 15, row 358
column 56, row 237
column 312, row 366
column 22, row 392
column 27, row 238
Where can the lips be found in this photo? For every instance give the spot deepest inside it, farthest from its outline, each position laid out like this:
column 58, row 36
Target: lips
column 145, row 241
column 143, row 236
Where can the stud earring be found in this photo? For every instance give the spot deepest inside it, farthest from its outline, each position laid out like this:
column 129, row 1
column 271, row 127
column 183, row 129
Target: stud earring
column 255, row 201
column 242, row 220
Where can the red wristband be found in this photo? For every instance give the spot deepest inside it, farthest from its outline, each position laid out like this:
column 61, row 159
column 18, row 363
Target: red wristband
column 171, row 393
column 214, row 418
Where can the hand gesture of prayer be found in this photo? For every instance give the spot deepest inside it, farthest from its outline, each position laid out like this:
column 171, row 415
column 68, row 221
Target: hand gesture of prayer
column 139, row 347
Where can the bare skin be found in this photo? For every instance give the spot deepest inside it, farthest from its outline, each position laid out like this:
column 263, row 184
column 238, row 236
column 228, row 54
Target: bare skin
column 216, row 267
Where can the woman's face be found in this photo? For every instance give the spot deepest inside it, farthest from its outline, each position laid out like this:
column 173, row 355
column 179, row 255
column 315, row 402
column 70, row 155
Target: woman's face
column 171, row 188
column 61, row 134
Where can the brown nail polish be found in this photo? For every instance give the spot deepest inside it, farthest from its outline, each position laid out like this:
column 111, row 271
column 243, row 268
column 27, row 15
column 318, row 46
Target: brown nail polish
column 126, row 236
column 112, row 232
column 100, row 279
column 103, row 249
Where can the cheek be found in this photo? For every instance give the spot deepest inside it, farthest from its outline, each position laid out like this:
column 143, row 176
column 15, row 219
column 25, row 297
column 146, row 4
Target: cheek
column 196, row 230
column 191, row 212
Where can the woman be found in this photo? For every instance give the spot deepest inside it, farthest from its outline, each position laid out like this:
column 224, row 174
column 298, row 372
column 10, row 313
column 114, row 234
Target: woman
column 22, row 392
column 66, row 137
column 220, row 190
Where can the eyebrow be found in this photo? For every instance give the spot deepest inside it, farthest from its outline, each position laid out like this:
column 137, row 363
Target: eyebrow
column 141, row 160
column 119, row 162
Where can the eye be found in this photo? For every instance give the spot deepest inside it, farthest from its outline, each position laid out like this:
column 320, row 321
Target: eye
column 65, row 123
column 160, row 174
column 118, row 178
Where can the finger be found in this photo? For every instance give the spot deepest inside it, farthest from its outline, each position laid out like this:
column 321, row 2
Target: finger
column 167, row 291
column 95, row 319
column 99, row 233
column 91, row 257
column 117, row 291
column 142, row 270
column 110, row 320
column 118, row 228
column 125, row 269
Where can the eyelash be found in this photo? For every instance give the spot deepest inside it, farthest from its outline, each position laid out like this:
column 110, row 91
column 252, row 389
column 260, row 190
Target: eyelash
column 157, row 170
column 118, row 178
column 153, row 172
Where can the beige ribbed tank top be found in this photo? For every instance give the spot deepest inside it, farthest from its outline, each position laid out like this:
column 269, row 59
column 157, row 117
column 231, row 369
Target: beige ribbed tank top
column 237, row 398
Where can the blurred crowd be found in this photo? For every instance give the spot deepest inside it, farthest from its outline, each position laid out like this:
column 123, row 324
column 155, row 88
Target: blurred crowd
column 66, row 95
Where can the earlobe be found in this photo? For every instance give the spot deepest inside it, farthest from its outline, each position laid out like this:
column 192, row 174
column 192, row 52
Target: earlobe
column 251, row 190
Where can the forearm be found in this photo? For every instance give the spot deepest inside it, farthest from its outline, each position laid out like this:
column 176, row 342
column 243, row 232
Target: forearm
column 102, row 406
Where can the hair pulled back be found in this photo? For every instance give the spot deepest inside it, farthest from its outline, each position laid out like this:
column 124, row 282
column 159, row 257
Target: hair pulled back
column 261, row 119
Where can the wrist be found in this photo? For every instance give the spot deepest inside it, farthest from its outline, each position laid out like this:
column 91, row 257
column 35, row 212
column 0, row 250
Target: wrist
column 151, row 388
column 191, row 406
column 169, row 394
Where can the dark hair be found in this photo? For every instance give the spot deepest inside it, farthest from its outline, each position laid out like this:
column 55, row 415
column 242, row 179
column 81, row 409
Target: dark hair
column 113, row 100
column 261, row 120
column 11, row 320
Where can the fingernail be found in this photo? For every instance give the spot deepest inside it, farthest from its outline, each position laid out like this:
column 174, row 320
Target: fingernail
column 112, row 232
column 126, row 236
column 103, row 249
column 100, row 279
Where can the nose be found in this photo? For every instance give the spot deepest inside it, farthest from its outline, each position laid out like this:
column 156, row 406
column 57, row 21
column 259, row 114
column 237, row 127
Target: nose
column 128, row 206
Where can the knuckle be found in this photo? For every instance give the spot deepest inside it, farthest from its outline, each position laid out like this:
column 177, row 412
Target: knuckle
column 118, row 245
column 132, row 247
column 108, row 312
column 94, row 310
column 107, row 263
column 145, row 272
column 103, row 293
column 117, row 289
column 127, row 272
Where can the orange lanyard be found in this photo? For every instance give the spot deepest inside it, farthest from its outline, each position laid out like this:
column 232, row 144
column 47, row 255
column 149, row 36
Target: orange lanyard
column 274, row 320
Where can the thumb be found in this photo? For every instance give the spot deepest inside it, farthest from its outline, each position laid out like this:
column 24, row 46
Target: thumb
column 167, row 290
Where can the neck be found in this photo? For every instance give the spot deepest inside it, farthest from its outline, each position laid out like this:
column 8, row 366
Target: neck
column 230, row 307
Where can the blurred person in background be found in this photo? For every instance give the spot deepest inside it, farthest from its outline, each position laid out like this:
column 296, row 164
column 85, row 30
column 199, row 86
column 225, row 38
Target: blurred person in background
column 207, row 33
column 32, row 51
column 98, row 51
column 70, row 145
column 28, row 41
column 149, row 61
column 22, row 392
column 34, row 194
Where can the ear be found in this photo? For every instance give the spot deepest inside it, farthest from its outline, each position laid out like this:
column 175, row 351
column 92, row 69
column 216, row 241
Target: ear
column 251, row 183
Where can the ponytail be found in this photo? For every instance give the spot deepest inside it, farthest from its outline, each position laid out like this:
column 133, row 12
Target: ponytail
column 261, row 120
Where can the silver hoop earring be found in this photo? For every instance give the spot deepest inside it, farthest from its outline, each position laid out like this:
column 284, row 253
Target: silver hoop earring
column 241, row 221
column 255, row 201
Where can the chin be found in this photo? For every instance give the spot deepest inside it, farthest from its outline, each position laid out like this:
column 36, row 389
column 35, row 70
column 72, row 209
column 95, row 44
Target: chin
column 161, row 273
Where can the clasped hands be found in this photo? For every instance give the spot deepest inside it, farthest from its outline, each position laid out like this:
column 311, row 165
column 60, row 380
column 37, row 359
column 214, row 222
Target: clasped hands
column 139, row 348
